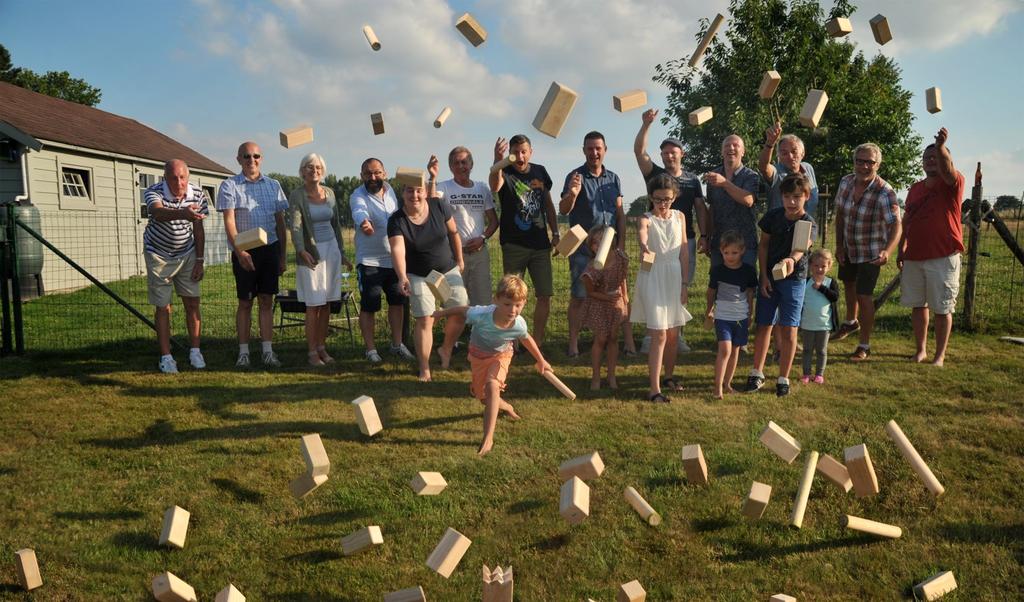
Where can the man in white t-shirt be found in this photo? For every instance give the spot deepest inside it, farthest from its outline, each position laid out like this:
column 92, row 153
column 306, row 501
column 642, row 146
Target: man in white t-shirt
column 475, row 219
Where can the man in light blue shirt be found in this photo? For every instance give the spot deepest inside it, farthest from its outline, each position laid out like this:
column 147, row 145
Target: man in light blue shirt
column 791, row 160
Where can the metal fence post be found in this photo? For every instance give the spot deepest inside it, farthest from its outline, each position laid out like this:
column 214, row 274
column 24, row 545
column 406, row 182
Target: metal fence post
column 974, row 226
column 5, row 297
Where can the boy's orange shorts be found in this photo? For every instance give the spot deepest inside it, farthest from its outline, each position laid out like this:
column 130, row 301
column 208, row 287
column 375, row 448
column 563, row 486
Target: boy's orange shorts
column 487, row 367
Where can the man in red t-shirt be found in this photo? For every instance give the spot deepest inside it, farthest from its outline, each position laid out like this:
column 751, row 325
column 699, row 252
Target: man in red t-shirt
column 929, row 252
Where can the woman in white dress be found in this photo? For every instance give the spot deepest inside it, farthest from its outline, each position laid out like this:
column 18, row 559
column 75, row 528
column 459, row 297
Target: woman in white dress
column 660, row 298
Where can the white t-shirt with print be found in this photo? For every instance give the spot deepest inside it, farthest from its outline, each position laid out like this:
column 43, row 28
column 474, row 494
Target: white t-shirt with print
column 470, row 205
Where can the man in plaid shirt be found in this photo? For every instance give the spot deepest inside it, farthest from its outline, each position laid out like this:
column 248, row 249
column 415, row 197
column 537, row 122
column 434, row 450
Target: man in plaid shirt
column 867, row 232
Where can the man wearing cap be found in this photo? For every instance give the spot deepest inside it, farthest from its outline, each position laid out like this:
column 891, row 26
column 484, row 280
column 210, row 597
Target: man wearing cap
column 686, row 202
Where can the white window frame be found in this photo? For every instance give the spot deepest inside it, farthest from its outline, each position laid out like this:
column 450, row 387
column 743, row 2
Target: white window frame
column 76, row 201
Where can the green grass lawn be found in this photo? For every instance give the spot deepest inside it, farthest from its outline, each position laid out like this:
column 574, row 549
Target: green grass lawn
column 94, row 447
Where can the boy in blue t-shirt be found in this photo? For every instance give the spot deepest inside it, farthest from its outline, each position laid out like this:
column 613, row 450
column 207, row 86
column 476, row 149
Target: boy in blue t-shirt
column 781, row 301
column 494, row 327
column 730, row 299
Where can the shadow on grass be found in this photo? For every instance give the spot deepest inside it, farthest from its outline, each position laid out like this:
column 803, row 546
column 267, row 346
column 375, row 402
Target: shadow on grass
column 162, row 432
column 730, row 466
column 306, row 597
column 4, row 471
column 11, row 588
column 750, row 552
column 525, row 506
column 704, row 525
column 239, row 492
column 436, row 421
column 330, row 518
column 315, row 557
column 139, row 540
column 1007, row 536
column 552, row 543
column 113, row 515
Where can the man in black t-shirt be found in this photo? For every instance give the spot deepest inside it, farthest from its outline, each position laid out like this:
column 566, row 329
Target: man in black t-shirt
column 527, row 213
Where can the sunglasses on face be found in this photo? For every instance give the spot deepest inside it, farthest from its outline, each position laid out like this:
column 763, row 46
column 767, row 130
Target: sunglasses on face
column 256, row 156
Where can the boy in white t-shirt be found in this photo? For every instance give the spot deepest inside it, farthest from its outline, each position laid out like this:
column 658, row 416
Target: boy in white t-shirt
column 490, row 349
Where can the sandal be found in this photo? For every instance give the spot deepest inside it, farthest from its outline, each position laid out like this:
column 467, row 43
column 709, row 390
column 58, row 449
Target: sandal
column 671, row 384
column 658, row 398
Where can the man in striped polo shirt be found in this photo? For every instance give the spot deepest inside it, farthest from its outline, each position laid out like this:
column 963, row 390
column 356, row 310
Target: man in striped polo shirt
column 174, row 240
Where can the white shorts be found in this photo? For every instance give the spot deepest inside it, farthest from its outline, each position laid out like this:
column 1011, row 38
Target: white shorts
column 932, row 283
column 322, row 284
column 422, row 302
column 161, row 273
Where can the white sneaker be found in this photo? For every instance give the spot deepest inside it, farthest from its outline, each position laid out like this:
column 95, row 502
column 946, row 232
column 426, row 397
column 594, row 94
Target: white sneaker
column 168, row 365
column 195, row 357
column 373, row 357
column 270, row 360
column 402, row 351
column 243, row 361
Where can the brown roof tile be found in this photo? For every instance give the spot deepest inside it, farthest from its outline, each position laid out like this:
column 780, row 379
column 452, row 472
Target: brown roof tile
column 48, row 118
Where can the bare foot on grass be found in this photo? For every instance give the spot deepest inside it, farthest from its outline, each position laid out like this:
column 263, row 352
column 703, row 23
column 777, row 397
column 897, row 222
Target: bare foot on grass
column 939, row 361
column 718, row 394
column 485, row 447
column 918, row 357
column 595, row 384
column 424, row 376
column 509, row 410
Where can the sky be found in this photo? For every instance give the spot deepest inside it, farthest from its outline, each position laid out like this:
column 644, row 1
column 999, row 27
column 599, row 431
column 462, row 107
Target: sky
column 213, row 73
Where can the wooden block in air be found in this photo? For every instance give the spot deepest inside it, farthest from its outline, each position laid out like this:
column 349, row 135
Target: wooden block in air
column 410, row 594
column 377, row 121
column 471, row 29
column 428, row 483
column 409, row 176
column 814, row 108
column 781, row 598
column 587, row 466
column 706, row 40
column 936, row 586
column 880, row 29
column 555, row 110
column 361, row 540
column 839, row 27
column 315, row 455
column 645, row 510
column 505, row 162
column 757, row 500
column 366, row 414
column 371, row 37
column 910, row 454
column 250, row 239
column 175, row 527
column 28, row 569
column 442, row 117
column 647, row 261
column 603, row 247
column 627, row 101
column 439, row 286
column 835, row 471
column 769, row 83
column 631, row 592
column 780, row 442
column 571, row 241
column 296, row 136
column 864, row 525
column 229, row 594
column 796, row 519
column 306, row 484
column 693, row 463
column 862, row 472
column 168, row 588
column 933, row 97
column 701, row 115
column 497, row 584
column 781, row 270
column 574, row 505
column 448, row 553
column 801, row 236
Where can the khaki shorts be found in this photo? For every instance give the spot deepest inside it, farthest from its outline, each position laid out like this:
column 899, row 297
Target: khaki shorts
column 422, row 302
column 161, row 272
column 477, row 276
column 932, row 283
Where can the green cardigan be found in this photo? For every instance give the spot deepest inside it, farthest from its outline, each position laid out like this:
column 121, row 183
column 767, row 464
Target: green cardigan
column 302, row 225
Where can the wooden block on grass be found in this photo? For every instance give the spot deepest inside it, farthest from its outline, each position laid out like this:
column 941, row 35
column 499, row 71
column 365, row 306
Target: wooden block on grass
column 781, row 598
column 371, row 37
column 361, row 540
column 229, row 594
column 574, row 505
column 880, row 29
column 869, row 526
column 571, row 241
column 769, row 83
column 471, row 29
column 913, row 458
column 814, row 108
column 706, row 40
column 409, row 176
column 296, row 136
column 442, row 117
column 168, row 588
column 780, row 442
column 377, row 121
column 796, row 519
column 448, row 553
column 315, row 455
column 627, row 101
column 175, row 527
column 587, row 466
column 693, row 463
column 410, row 594
column 862, row 472
column 306, row 484
column 645, row 510
column 699, row 116
column 757, row 500
column 936, row 586
column 555, row 110
column 631, row 592
column 28, row 569
column 497, row 584
column 366, row 414
column 835, row 471
column 839, row 27
column 250, row 239
column 933, row 98
column 801, row 236
column 428, row 483
column 647, row 261
column 439, row 286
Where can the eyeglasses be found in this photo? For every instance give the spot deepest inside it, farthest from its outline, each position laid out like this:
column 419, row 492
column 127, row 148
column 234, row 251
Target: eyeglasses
column 865, row 162
column 662, row 199
column 256, row 156
column 373, row 174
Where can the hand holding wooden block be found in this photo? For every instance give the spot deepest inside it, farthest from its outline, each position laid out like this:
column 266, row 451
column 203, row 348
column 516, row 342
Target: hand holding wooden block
column 572, row 240
column 647, row 261
column 693, row 463
column 814, row 108
column 505, row 162
column 371, row 37
column 933, row 99
column 936, row 586
column 574, row 504
column 555, row 110
column 587, row 466
column 880, row 29
column 442, row 117
column 366, row 414
column 699, row 116
column 168, row 588
column 428, row 483
column 780, row 442
column 439, row 286
column 175, row 527
column 250, row 239
column 869, row 526
column 229, row 594
column 910, row 454
column 645, row 510
column 781, row 270
column 558, row 384
column 410, row 594
column 28, row 569
column 835, row 471
column 862, row 472
column 471, row 29
column 631, row 592
column 769, row 83
column 706, row 40
column 296, row 136
column 377, row 121
column 361, row 540
column 757, row 500
column 448, row 553
column 627, row 101
column 839, row 27
column 315, row 455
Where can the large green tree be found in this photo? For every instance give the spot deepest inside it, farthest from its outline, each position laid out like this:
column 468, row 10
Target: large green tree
column 58, row 84
column 866, row 101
